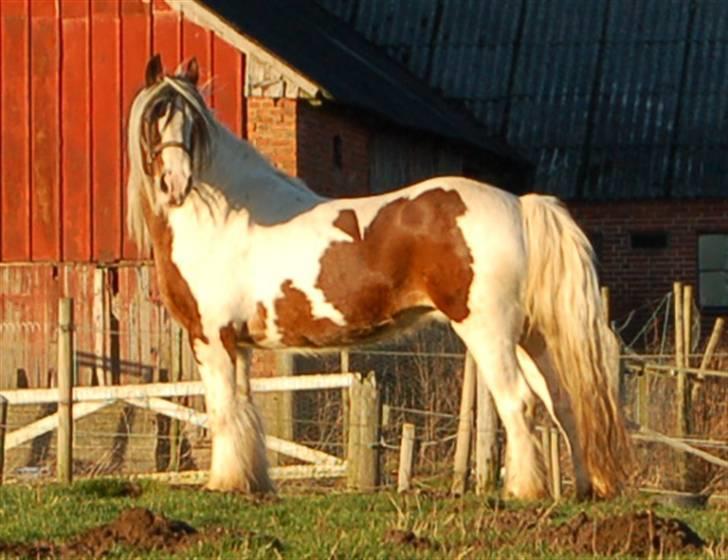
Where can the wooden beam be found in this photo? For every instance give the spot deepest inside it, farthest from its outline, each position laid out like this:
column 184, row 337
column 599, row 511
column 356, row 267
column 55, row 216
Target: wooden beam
column 48, row 423
column 293, row 472
column 181, row 389
column 295, row 450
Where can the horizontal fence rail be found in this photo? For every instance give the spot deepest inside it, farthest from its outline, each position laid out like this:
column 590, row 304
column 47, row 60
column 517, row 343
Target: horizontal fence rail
column 179, row 389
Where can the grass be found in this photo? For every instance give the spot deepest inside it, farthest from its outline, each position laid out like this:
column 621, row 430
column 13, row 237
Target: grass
column 317, row 524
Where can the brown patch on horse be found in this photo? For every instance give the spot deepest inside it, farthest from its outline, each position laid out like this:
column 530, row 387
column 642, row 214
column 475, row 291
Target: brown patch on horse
column 295, row 320
column 347, row 222
column 229, row 340
column 412, row 254
column 173, row 288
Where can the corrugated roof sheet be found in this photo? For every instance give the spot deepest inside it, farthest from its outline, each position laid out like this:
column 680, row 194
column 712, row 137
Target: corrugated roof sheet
column 611, row 98
column 356, row 72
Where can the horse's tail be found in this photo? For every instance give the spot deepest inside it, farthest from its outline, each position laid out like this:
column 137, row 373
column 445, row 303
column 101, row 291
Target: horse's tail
column 563, row 304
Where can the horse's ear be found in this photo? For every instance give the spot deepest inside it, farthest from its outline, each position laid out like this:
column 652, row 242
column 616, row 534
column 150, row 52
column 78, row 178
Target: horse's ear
column 154, row 71
column 192, row 72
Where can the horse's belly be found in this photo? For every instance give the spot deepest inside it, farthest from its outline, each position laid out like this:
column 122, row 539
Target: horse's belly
column 306, row 331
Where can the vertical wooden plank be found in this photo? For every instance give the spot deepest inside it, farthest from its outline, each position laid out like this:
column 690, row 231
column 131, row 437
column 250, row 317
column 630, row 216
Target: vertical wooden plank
column 45, row 131
column 227, row 85
column 197, row 42
column 136, row 48
column 15, row 134
column 64, row 448
column 76, row 133
column 106, row 137
column 99, row 325
column 166, row 34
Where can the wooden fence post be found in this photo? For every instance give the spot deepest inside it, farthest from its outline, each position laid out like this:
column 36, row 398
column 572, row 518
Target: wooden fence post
column 465, row 427
column 363, row 448
column 64, row 448
column 3, row 426
column 406, row 458
column 555, row 464
column 604, row 292
column 681, row 359
column 344, row 366
column 546, row 449
column 487, row 457
column 369, row 438
column 643, row 399
column 354, row 433
column 175, row 428
column 708, row 355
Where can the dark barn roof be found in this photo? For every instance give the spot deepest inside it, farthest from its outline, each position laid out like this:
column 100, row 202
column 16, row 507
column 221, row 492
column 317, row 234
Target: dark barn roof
column 612, row 99
column 354, row 72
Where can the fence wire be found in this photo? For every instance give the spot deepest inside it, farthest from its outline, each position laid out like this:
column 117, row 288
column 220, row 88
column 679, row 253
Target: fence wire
column 420, row 382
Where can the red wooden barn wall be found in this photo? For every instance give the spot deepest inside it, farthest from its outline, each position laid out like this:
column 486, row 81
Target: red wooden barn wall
column 68, row 73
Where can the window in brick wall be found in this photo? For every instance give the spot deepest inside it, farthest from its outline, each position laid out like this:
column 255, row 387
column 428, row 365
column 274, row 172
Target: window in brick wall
column 648, row 240
column 713, row 269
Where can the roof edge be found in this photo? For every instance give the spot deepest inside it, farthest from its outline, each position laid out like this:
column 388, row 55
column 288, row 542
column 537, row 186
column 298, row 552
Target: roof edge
column 200, row 14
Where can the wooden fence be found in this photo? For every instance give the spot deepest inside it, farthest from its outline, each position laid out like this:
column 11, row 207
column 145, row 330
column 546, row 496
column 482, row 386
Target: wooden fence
column 361, row 465
column 361, row 407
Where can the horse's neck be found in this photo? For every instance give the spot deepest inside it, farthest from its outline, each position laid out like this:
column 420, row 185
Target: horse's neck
column 248, row 180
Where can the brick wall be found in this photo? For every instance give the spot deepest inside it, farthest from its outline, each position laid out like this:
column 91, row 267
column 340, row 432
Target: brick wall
column 637, row 277
column 333, row 151
column 324, row 146
column 271, row 128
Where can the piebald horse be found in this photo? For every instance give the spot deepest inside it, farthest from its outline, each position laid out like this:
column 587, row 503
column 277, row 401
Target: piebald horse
column 246, row 255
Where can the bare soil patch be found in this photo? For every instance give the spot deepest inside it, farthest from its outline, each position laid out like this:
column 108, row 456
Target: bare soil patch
column 638, row 534
column 138, row 529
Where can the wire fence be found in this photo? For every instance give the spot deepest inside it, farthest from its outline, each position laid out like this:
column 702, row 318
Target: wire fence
column 420, row 381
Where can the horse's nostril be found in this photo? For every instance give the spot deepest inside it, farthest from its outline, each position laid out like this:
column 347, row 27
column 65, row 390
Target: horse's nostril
column 163, row 185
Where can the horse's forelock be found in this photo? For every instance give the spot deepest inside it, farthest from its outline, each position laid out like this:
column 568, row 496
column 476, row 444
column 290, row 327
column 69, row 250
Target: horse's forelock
column 203, row 121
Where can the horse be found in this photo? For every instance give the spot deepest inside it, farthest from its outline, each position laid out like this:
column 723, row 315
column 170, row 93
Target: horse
column 246, row 255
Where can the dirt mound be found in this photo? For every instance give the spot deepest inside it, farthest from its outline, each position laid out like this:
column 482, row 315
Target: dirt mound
column 136, row 528
column 639, row 534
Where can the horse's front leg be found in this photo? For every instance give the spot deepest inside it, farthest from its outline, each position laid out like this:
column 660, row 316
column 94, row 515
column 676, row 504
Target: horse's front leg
column 239, row 459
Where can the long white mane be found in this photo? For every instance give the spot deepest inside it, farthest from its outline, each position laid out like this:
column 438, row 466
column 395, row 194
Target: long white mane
column 228, row 164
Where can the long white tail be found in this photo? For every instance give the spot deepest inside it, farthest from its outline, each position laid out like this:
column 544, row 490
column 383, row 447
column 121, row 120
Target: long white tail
column 564, row 305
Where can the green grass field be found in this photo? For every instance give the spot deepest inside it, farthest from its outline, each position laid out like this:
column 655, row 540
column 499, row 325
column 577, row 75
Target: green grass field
column 313, row 522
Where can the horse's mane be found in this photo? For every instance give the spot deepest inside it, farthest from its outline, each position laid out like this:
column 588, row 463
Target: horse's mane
column 140, row 184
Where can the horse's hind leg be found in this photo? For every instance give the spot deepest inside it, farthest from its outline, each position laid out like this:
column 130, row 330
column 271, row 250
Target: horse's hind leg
column 494, row 349
column 239, row 459
column 540, row 374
